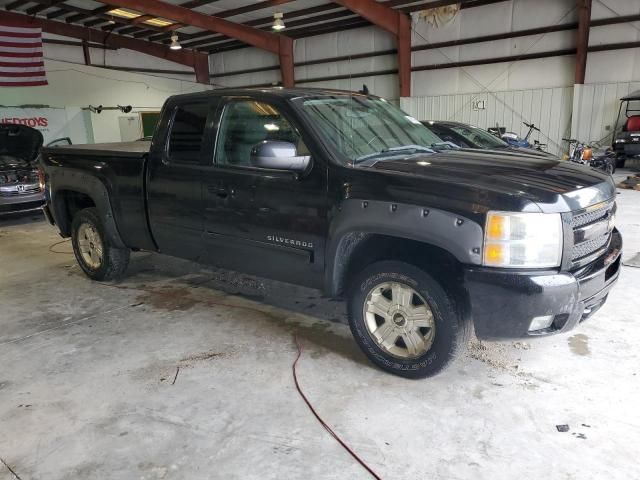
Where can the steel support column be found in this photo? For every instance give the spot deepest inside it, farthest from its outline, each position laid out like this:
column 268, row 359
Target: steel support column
column 394, row 22
column 286, row 61
column 201, row 68
column 582, row 39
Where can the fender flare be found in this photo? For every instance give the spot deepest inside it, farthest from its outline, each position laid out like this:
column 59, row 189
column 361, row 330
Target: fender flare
column 66, row 179
column 357, row 220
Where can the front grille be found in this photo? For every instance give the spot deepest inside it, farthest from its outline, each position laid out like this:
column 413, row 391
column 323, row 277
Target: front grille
column 590, row 217
column 591, row 233
column 585, row 249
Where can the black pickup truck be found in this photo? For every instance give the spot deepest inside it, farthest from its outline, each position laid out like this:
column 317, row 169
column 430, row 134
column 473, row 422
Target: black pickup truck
column 344, row 192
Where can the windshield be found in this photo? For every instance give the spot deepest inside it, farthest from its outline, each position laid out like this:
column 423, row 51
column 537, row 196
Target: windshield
column 478, row 136
column 362, row 127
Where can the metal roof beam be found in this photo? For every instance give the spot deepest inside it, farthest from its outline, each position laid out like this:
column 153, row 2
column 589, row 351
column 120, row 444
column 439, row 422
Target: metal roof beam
column 278, row 44
column 197, row 61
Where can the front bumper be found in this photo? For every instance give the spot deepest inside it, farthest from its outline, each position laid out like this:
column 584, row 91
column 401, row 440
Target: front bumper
column 21, row 203
column 503, row 303
column 628, row 149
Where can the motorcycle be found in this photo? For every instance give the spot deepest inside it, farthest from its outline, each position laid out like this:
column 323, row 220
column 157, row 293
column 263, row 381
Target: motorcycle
column 514, row 139
column 583, row 153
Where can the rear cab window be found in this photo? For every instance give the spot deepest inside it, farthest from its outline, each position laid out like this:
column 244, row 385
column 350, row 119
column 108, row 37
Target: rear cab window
column 188, row 132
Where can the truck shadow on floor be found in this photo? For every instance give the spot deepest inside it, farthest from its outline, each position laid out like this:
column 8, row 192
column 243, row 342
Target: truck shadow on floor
column 295, row 298
column 19, row 218
column 186, row 284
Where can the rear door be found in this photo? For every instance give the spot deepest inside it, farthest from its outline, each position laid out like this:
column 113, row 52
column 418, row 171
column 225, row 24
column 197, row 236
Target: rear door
column 174, row 178
column 268, row 222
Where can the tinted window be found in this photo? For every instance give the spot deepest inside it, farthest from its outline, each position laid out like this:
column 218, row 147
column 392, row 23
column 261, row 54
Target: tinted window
column 246, row 123
column 446, row 135
column 479, row 137
column 187, row 132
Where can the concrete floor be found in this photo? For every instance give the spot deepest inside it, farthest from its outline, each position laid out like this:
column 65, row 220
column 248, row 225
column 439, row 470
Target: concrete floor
column 87, row 376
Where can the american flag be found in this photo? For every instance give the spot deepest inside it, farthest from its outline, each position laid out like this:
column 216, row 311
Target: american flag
column 21, row 61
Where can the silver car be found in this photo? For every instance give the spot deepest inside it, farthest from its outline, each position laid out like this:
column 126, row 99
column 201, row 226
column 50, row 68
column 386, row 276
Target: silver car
column 20, row 187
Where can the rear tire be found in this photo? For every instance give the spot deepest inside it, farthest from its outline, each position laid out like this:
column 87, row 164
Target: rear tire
column 97, row 257
column 620, row 161
column 415, row 338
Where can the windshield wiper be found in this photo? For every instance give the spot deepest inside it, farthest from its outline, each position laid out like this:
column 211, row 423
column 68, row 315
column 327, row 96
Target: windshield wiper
column 399, row 149
column 445, row 146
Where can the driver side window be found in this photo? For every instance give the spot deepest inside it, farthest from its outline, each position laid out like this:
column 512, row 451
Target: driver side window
column 245, row 124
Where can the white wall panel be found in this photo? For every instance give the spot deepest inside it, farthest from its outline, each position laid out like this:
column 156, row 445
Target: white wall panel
column 119, row 58
column 501, row 17
column 80, row 86
column 548, row 108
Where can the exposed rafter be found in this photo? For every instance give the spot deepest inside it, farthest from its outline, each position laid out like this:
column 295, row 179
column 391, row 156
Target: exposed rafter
column 278, row 44
column 315, row 22
column 43, row 6
column 198, row 61
column 394, row 22
column 214, row 33
column 78, row 14
column 263, row 21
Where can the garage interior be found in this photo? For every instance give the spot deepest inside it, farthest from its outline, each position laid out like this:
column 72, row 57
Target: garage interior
column 181, row 370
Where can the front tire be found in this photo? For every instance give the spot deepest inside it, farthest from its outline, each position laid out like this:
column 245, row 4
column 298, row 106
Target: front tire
column 97, row 257
column 610, row 167
column 404, row 320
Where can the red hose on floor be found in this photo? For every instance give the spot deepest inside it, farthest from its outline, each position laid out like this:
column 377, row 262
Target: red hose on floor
column 322, row 422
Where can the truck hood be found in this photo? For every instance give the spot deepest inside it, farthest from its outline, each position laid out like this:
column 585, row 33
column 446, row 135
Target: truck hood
column 20, row 142
column 551, row 185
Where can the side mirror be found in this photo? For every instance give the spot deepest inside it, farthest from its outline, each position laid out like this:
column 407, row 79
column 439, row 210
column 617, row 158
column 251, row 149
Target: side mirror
column 278, row 155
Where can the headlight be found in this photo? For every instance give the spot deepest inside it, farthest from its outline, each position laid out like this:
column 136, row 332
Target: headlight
column 526, row 240
column 620, row 140
column 612, row 221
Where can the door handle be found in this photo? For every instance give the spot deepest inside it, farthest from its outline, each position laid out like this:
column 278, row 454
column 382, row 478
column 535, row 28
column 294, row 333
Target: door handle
column 221, row 191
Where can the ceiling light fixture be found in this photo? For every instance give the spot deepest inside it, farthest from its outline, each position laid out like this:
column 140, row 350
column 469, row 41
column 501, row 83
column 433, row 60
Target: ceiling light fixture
column 175, row 45
column 121, row 12
column 158, row 22
column 278, row 22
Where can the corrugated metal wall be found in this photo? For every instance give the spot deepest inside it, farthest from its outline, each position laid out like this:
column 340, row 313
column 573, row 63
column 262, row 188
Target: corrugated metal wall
column 548, row 108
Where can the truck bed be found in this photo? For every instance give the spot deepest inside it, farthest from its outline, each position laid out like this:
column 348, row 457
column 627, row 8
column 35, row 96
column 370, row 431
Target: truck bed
column 136, row 149
column 120, row 171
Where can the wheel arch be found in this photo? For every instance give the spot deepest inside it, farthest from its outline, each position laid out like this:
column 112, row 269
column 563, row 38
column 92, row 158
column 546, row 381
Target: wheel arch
column 355, row 250
column 70, row 192
column 366, row 231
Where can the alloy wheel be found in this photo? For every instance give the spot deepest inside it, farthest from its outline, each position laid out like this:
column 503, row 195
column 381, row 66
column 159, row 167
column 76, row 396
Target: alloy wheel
column 90, row 245
column 399, row 320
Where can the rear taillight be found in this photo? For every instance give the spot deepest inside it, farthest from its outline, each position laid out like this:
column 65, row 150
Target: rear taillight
column 41, row 178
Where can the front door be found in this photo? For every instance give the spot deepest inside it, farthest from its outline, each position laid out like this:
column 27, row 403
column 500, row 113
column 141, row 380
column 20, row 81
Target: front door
column 268, row 222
